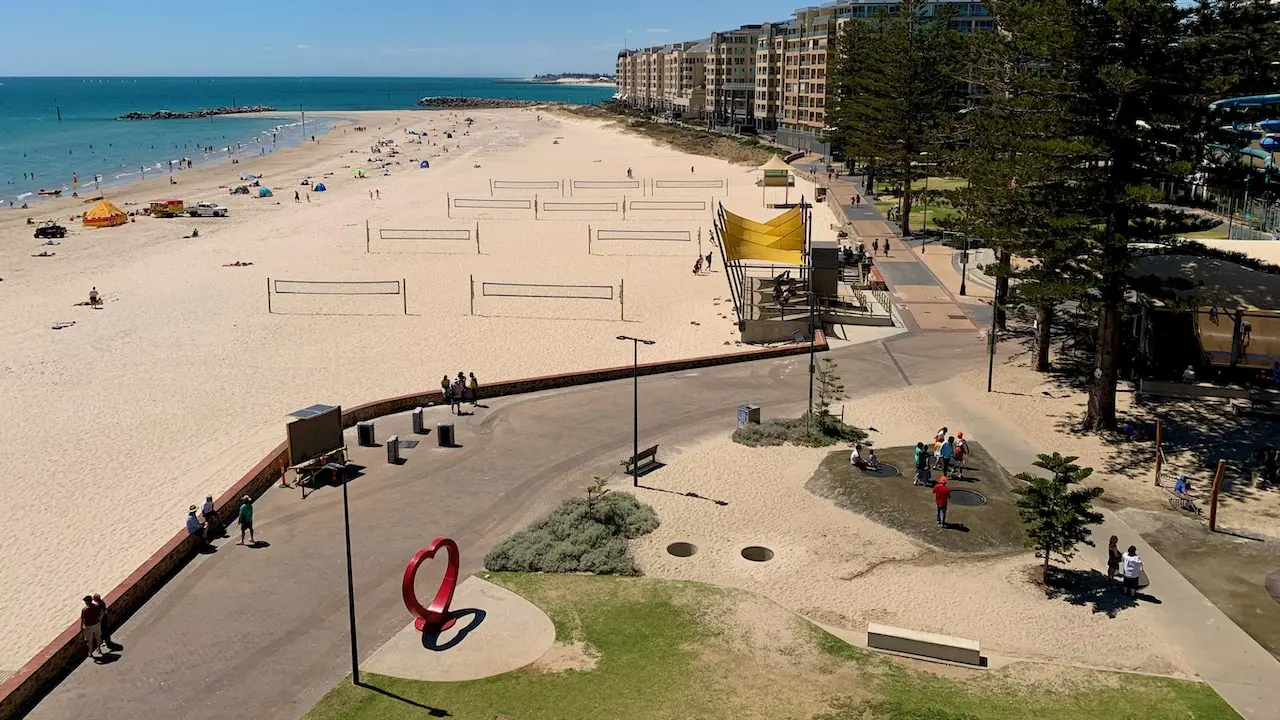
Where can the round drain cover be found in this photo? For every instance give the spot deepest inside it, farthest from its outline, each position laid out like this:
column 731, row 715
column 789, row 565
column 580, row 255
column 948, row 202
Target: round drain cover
column 682, row 549
column 967, row 498
column 885, row 470
column 1273, row 585
column 756, row 553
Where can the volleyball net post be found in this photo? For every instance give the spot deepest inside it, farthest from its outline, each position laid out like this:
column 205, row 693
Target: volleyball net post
column 1213, row 496
column 622, row 300
column 268, row 296
column 366, row 236
column 473, row 294
column 404, row 291
column 448, row 206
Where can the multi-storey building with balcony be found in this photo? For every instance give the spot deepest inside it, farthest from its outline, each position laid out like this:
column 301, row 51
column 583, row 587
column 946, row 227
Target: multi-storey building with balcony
column 666, row 79
column 768, row 96
column 731, row 76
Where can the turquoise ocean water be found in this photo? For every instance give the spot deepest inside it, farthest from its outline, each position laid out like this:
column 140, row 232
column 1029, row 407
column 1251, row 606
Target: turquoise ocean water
column 39, row 151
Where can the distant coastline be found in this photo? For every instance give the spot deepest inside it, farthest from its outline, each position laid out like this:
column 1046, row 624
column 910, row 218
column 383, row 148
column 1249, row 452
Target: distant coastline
column 570, row 79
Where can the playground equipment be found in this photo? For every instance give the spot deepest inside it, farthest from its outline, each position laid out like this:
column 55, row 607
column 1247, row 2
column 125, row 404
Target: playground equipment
column 1243, row 339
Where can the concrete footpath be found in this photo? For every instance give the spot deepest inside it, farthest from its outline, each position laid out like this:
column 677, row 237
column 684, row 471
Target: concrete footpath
column 1220, row 653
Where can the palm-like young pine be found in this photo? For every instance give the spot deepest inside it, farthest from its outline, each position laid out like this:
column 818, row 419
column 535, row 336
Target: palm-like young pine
column 1055, row 516
column 830, row 389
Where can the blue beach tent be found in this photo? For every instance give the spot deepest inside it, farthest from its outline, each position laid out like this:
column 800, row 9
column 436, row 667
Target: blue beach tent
column 264, row 192
column 319, row 187
column 424, row 164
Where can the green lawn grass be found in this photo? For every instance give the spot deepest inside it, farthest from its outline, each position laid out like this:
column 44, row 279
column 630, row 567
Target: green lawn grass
column 678, row 650
column 918, row 213
column 935, row 183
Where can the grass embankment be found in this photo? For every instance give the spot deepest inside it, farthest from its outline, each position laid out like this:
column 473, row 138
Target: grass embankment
column 734, row 149
column 660, row 649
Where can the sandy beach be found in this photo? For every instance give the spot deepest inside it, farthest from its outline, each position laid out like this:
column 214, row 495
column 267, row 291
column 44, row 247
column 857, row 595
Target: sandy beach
column 182, row 381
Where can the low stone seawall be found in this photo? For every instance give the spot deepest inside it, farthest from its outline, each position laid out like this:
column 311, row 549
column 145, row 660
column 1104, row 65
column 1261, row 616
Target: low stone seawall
column 49, row 666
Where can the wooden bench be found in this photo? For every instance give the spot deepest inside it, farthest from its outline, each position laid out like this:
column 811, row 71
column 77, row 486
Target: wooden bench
column 924, row 645
column 645, row 461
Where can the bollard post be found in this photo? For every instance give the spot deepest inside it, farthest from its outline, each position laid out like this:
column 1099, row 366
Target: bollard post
column 1213, row 496
column 366, row 235
column 268, row 296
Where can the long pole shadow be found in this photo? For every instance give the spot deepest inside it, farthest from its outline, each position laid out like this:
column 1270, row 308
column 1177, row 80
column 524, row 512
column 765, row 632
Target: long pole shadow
column 689, row 494
column 432, row 711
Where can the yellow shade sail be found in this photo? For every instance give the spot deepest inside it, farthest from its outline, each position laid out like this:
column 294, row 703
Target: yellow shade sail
column 779, row 240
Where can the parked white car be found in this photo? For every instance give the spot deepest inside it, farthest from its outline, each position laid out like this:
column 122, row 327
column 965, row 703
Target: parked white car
column 207, row 209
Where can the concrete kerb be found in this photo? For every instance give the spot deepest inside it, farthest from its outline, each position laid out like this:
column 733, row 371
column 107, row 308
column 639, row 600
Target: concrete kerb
column 25, row 688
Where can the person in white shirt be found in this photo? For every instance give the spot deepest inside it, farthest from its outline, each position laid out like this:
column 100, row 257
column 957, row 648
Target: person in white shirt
column 855, row 458
column 1132, row 571
column 209, row 516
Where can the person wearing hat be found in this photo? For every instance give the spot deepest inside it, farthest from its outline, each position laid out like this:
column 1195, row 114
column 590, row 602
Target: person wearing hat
column 246, row 519
column 194, row 526
column 941, row 495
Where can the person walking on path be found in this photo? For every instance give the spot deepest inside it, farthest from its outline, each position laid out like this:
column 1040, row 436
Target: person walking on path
column 941, row 495
column 886, row 247
column 922, row 465
column 246, row 520
column 91, row 625
column 101, row 604
column 1132, row 571
column 1113, row 558
column 875, row 246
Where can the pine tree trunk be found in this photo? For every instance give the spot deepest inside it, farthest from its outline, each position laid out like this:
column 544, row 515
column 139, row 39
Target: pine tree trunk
column 1044, row 335
column 1044, row 574
column 1002, row 288
column 1101, row 414
column 905, row 221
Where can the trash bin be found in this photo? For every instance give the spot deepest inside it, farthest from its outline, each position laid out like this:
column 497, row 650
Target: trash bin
column 444, row 434
column 393, row 449
column 748, row 415
column 418, row 427
column 364, row 434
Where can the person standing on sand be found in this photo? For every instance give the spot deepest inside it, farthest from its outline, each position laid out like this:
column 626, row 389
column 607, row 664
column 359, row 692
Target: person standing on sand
column 377, row 194
column 628, row 173
column 941, row 496
column 1132, row 571
column 1113, row 558
column 246, row 520
column 296, row 196
column 473, row 386
column 91, row 625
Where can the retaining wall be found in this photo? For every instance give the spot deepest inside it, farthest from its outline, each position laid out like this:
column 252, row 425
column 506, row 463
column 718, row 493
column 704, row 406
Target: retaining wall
column 49, row 666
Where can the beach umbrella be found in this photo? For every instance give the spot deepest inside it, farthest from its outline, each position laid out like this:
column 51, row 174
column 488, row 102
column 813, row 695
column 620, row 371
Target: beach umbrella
column 358, row 172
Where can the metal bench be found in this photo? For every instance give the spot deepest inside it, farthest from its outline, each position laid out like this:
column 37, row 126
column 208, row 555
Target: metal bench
column 640, row 464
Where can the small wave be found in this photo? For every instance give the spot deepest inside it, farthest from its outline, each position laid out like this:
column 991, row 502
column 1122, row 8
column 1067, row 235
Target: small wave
column 24, row 196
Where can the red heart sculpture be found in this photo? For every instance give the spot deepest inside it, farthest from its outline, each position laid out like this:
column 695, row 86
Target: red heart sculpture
column 436, row 617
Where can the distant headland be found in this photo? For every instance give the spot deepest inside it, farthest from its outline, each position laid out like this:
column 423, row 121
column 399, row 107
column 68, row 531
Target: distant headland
column 202, row 113
column 592, row 79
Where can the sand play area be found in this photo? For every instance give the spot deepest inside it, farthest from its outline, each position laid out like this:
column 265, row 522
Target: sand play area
column 844, row 570
column 181, row 381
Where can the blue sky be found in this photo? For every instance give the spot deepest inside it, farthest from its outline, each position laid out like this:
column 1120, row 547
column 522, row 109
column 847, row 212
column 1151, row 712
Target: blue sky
column 353, row 37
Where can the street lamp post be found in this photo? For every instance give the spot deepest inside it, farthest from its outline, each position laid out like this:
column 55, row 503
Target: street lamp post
column 964, row 265
column 351, row 585
column 635, row 414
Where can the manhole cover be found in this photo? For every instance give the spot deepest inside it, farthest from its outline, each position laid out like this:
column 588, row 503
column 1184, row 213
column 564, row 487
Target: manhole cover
column 884, row 470
column 1273, row 585
column 967, row 498
column 756, row 553
column 409, row 444
column 682, row 549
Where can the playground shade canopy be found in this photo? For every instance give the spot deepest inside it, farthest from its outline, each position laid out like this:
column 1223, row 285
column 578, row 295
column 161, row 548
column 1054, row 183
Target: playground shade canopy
column 105, row 214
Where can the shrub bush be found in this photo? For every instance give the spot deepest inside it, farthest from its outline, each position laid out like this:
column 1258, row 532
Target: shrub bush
column 579, row 535
column 799, row 431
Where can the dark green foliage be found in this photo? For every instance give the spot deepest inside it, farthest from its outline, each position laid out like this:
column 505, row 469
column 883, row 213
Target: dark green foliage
column 893, row 89
column 799, row 431
column 1055, row 516
column 580, row 535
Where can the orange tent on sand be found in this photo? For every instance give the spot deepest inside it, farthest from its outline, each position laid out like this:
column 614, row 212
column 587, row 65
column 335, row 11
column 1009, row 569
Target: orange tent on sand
column 104, row 214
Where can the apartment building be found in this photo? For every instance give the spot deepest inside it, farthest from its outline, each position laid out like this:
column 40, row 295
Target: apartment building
column 666, row 79
column 771, row 76
column 731, row 76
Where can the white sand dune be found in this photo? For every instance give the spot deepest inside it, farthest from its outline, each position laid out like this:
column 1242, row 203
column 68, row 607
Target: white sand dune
column 183, row 380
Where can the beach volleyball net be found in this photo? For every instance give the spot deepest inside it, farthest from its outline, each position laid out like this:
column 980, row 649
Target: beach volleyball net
column 674, row 206
column 473, row 205
column 714, row 184
column 548, row 300
column 581, row 206
column 425, row 240
column 642, row 241
column 590, row 185
column 337, row 297
column 525, row 185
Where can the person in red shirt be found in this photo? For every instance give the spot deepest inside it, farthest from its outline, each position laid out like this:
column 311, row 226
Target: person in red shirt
column 91, row 625
column 941, row 494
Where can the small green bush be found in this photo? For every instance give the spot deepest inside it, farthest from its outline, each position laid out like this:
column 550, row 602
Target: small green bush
column 579, row 535
column 799, row 431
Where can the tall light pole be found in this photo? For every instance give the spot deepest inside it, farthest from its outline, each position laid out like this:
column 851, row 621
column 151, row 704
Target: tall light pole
column 964, row 264
column 991, row 339
column 635, row 414
column 351, row 585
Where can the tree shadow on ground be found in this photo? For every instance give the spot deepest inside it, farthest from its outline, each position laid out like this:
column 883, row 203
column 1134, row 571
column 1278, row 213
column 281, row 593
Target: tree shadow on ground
column 1091, row 588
